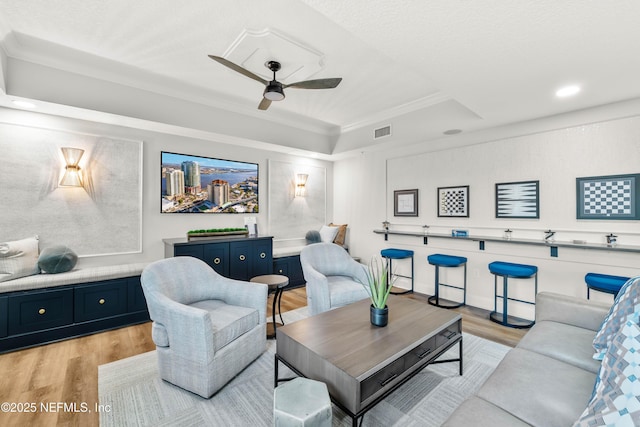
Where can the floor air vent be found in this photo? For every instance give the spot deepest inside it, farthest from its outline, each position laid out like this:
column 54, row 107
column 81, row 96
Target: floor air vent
column 382, row 132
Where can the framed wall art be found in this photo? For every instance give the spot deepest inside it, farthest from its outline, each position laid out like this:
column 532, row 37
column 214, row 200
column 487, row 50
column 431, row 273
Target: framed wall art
column 453, row 201
column 405, row 202
column 518, row 199
column 608, row 197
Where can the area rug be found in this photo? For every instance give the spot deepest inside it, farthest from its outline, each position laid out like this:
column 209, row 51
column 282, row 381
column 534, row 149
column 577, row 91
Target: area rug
column 137, row 397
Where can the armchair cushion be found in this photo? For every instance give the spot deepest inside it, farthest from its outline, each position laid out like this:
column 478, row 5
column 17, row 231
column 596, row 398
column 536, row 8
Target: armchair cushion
column 228, row 321
column 344, row 290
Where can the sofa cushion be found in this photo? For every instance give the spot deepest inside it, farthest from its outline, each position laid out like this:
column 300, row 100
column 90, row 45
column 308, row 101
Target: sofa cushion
column 563, row 342
column 625, row 307
column 344, row 290
column 19, row 258
column 57, row 259
column 617, row 392
column 538, row 389
column 327, row 234
column 229, row 321
column 341, row 235
column 478, row 412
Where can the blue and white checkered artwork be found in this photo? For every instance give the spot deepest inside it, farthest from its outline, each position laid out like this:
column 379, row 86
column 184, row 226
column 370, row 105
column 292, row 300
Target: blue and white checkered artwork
column 608, row 197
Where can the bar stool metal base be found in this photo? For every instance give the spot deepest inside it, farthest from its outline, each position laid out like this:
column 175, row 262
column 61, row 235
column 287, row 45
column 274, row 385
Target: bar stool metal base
column 391, row 254
column 517, row 271
column 449, row 261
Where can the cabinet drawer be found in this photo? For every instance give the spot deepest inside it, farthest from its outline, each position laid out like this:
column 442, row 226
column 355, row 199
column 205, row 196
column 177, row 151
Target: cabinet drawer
column 380, row 379
column 424, row 351
column 104, row 299
column 39, row 310
column 135, row 298
column 448, row 334
column 3, row 317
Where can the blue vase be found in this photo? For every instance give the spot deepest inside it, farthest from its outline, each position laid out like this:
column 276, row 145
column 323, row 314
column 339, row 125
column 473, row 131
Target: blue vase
column 379, row 316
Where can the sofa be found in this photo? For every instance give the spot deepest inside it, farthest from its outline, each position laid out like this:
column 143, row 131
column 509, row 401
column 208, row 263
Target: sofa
column 548, row 378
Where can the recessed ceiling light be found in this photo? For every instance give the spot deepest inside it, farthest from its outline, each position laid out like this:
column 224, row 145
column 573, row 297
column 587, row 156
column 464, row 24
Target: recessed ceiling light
column 567, row 91
column 452, row 131
column 23, row 104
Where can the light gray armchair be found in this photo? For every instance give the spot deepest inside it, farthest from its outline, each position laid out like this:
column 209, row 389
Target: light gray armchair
column 206, row 327
column 333, row 278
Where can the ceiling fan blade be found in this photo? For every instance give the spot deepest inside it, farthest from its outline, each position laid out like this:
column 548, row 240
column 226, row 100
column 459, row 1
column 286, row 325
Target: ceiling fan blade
column 238, row 69
column 316, row 84
column 264, row 104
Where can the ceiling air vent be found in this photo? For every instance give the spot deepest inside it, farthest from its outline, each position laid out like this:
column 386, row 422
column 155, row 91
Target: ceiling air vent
column 382, row 132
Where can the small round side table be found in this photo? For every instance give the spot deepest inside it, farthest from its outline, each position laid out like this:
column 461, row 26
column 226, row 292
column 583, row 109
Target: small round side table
column 276, row 283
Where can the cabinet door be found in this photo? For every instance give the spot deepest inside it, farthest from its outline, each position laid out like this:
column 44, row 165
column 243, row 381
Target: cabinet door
column 296, row 276
column 239, row 260
column 100, row 300
column 217, row 256
column 36, row 311
column 135, row 298
column 262, row 257
column 195, row 251
column 3, row 316
column 281, row 266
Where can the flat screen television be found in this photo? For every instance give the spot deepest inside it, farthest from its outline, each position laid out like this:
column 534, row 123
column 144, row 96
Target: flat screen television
column 196, row 184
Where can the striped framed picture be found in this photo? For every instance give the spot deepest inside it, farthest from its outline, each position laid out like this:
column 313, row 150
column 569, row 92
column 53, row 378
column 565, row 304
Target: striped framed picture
column 518, row 199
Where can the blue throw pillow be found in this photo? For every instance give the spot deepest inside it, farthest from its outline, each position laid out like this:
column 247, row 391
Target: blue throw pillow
column 616, row 401
column 625, row 307
column 57, row 259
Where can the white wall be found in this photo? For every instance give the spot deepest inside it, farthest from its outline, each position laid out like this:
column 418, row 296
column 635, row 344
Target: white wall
column 364, row 190
column 157, row 226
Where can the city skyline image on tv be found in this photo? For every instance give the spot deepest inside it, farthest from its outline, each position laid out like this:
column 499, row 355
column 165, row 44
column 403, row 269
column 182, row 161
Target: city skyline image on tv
column 197, row 184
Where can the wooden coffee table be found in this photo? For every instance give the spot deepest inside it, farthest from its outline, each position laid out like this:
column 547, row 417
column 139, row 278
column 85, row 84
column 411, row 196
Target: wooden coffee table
column 360, row 363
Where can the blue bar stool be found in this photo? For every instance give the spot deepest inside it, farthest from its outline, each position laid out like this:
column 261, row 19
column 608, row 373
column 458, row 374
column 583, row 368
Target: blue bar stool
column 391, row 254
column 604, row 283
column 516, row 271
column 440, row 260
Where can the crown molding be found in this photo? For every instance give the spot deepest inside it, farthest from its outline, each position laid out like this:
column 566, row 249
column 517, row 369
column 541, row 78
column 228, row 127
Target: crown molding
column 29, row 49
column 386, row 115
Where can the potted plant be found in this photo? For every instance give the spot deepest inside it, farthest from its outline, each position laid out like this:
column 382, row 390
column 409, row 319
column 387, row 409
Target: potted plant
column 379, row 287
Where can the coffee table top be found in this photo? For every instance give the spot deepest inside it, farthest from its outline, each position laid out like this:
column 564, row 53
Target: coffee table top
column 346, row 338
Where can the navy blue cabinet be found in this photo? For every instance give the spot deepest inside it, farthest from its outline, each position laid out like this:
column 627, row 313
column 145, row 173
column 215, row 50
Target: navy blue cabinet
column 290, row 266
column 39, row 316
column 237, row 258
column 3, row 317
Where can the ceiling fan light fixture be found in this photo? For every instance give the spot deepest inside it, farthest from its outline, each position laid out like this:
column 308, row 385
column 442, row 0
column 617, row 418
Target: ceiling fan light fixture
column 274, row 92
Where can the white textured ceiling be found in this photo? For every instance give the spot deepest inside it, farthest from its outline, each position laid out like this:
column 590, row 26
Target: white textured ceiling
column 497, row 61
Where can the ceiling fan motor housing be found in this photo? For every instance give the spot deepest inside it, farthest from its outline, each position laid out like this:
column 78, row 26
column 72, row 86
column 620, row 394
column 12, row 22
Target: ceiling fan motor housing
column 273, row 91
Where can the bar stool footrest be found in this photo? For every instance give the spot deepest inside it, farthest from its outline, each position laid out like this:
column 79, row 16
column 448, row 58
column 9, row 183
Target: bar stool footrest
column 443, row 303
column 512, row 321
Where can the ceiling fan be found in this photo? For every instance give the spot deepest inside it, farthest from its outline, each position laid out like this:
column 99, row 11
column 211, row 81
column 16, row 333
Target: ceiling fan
column 274, row 90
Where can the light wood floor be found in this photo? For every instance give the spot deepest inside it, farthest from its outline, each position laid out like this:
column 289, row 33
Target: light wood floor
column 67, row 371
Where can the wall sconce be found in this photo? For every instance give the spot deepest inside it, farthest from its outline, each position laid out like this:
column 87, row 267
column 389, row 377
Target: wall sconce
column 72, row 176
column 301, row 184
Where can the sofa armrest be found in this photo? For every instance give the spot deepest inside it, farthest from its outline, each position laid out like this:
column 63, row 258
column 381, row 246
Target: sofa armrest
column 570, row 310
